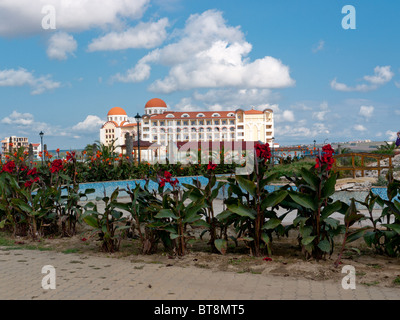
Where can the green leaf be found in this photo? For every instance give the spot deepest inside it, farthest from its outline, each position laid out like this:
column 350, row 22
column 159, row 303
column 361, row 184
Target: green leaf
column 91, row 221
column 271, row 224
column 304, row 200
column 247, row 185
column 324, row 245
column 224, row 215
column 393, row 226
column 307, row 240
column 273, row 199
column 166, row 213
column 173, row 236
column 369, row 238
column 310, row 178
column 221, row 245
column 329, row 187
column 355, row 235
column 2, row 223
column 333, row 223
column 200, row 223
column 249, row 239
column 242, row 210
column 330, row 209
column 299, row 220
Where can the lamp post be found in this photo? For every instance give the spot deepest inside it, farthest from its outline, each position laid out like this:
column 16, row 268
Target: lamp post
column 138, row 118
column 273, row 151
column 41, row 134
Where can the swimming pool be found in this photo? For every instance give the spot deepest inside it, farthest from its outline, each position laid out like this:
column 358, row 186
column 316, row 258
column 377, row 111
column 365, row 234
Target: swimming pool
column 108, row 188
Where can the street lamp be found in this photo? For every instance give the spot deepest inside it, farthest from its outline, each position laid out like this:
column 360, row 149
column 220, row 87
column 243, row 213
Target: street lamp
column 138, row 118
column 273, row 151
column 41, row 134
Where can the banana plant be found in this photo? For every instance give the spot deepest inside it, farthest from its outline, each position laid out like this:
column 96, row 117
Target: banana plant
column 253, row 208
column 108, row 225
column 312, row 199
column 177, row 213
column 208, row 194
column 143, row 207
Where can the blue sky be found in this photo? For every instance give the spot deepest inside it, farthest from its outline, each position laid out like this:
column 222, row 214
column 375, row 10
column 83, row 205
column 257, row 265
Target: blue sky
column 321, row 80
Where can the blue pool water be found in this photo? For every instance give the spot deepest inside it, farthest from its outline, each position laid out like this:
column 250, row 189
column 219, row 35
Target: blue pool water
column 102, row 188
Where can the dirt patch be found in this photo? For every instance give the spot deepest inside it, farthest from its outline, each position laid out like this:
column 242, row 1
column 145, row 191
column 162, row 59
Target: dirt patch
column 287, row 259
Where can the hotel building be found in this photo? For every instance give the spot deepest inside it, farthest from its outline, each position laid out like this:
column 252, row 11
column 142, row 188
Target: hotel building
column 160, row 126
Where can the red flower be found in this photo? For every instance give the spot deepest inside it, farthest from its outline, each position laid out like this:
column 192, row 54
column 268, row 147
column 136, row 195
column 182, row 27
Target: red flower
column 211, row 166
column 32, row 172
column 162, row 183
column 56, row 166
column 83, row 239
column 28, row 184
column 167, row 176
column 9, row 167
column 263, row 151
column 70, row 156
column 267, row 259
column 326, row 157
column 173, row 182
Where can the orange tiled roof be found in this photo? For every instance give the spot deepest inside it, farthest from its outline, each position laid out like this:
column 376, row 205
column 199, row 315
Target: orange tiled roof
column 117, row 111
column 156, row 103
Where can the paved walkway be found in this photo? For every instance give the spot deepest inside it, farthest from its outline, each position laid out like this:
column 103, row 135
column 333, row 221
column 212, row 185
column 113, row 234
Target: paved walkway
column 80, row 277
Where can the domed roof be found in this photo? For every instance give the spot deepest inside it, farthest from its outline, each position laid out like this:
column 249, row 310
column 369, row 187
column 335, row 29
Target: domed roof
column 156, row 103
column 117, row 111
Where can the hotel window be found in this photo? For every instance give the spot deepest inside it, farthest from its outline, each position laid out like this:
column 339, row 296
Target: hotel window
column 178, row 123
column 155, row 123
column 209, row 137
column 193, row 123
column 216, row 122
column 162, row 123
column 170, row 123
column 231, row 121
column 185, row 123
column 201, row 122
column 223, row 122
column 155, row 138
column 209, row 122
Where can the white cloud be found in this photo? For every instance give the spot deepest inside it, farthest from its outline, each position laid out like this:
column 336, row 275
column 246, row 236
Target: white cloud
column 300, row 130
column 321, row 115
column 24, row 17
column 320, row 46
column 392, row 135
column 16, row 118
column 22, row 77
column 359, row 127
column 144, row 35
column 210, row 54
column 366, row 111
column 288, row 116
column 139, row 73
column 90, row 124
column 381, row 76
column 61, row 45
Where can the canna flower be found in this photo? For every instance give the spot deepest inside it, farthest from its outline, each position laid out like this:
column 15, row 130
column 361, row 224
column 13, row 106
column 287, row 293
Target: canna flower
column 211, row 166
column 56, row 166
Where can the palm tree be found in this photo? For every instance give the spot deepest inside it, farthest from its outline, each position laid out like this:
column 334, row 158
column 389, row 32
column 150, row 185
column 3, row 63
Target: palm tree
column 387, row 148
